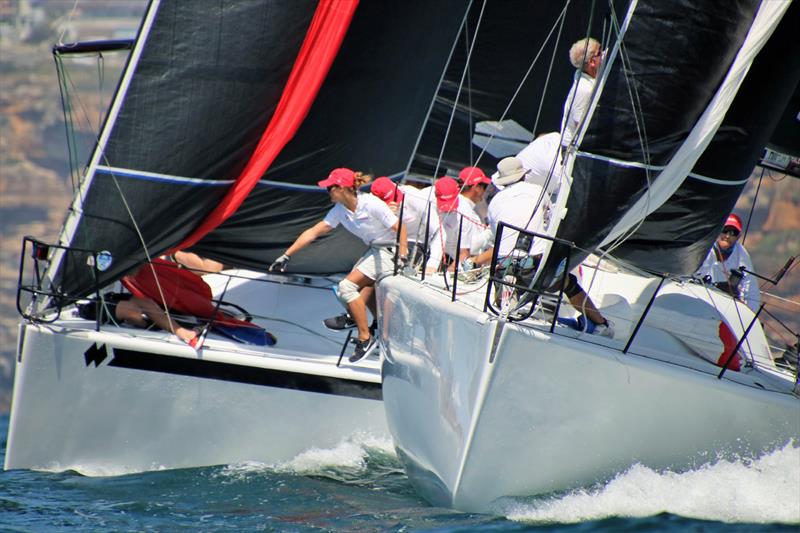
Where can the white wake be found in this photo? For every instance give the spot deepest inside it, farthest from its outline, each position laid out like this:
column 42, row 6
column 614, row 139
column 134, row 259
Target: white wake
column 766, row 490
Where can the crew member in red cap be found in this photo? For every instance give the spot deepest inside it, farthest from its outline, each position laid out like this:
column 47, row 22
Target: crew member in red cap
column 368, row 218
column 419, row 217
column 726, row 265
column 455, row 204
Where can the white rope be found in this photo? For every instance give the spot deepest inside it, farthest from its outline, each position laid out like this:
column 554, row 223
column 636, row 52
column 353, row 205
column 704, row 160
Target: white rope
column 66, row 23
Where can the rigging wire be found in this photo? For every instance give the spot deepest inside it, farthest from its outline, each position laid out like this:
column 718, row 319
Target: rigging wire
column 753, row 206
column 460, row 88
column 101, row 70
column 66, row 108
column 431, row 192
column 469, row 87
column 124, row 201
column 71, row 93
column 549, row 68
column 560, row 22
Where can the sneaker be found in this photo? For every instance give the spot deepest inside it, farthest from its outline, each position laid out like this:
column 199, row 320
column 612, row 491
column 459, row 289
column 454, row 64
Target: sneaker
column 363, row 349
column 337, row 323
column 605, row 330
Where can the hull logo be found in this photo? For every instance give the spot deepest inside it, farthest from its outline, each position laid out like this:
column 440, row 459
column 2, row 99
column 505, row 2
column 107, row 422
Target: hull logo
column 95, row 354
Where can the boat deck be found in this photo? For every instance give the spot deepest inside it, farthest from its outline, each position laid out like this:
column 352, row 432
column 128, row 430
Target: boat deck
column 291, row 309
column 664, row 336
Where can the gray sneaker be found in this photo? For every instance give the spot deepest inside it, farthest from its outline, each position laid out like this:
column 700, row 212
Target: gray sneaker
column 363, row 349
column 337, row 323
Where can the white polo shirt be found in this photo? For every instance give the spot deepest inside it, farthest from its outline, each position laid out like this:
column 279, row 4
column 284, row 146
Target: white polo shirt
column 471, row 231
column 537, row 158
column 575, row 110
column 514, row 205
column 415, row 214
column 372, row 220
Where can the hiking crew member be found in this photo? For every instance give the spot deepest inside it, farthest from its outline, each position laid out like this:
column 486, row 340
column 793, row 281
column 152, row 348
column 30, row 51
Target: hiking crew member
column 370, row 219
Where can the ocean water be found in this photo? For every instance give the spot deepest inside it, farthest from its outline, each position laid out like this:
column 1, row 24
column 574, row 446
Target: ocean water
column 360, row 486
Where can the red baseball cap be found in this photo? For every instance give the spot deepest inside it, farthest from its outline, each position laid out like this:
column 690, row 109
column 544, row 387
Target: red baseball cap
column 386, row 190
column 734, row 221
column 343, row 177
column 447, row 190
column 470, row 176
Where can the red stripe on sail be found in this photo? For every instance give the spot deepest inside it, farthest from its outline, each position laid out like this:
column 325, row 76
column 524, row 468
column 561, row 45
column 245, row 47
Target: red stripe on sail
column 325, row 34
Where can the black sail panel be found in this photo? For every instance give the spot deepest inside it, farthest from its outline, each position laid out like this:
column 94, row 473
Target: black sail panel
column 677, row 236
column 675, row 75
column 207, row 82
column 368, row 116
column 503, row 51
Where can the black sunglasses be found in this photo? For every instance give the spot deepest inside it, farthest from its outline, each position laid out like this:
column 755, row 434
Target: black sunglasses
column 731, row 232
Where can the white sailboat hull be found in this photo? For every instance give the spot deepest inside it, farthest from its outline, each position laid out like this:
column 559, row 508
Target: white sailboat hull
column 552, row 412
column 123, row 400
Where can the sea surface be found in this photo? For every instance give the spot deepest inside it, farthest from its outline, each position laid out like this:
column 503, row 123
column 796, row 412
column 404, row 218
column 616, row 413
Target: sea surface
column 360, row 486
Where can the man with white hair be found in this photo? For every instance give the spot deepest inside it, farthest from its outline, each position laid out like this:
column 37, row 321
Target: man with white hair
column 586, row 56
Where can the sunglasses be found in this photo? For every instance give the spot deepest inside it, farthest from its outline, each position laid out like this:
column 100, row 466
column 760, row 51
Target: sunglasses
column 332, row 187
column 731, row 232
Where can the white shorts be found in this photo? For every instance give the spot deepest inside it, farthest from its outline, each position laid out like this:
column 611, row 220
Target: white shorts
column 376, row 263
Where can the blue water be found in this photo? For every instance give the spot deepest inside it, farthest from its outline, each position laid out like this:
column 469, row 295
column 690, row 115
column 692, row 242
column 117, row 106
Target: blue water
column 360, row 486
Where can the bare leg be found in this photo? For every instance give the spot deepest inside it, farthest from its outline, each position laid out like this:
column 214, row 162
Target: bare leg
column 583, row 303
column 358, row 307
column 197, row 264
column 368, row 295
column 131, row 311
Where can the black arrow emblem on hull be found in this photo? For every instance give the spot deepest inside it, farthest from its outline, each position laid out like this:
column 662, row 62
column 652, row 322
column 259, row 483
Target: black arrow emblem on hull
column 95, row 355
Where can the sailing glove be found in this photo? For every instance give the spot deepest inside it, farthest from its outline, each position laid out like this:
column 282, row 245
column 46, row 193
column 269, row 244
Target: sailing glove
column 279, row 265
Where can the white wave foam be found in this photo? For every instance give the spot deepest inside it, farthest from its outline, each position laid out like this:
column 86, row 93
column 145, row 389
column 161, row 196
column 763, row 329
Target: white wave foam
column 99, row 470
column 350, row 454
column 766, row 490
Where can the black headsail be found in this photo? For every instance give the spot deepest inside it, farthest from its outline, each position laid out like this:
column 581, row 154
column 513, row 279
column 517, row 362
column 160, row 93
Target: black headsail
column 677, row 236
column 668, row 86
column 367, row 116
column 203, row 82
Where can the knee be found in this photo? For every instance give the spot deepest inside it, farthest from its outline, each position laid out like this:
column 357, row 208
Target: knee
column 348, row 291
column 572, row 288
